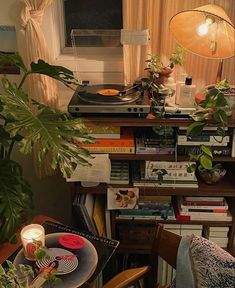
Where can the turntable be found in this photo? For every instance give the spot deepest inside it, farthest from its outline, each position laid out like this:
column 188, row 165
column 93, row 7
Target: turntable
column 109, row 99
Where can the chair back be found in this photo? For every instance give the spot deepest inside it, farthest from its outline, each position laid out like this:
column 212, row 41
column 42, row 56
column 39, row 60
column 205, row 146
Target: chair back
column 166, row 246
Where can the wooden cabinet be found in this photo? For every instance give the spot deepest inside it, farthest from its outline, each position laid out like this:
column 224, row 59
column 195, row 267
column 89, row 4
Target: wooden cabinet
column 136, row 236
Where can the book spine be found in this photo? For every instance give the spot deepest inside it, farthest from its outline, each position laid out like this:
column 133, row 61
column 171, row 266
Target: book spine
column 196, row 209
column 106, row 136
column 219, row 151
column 203, row 213
column 151, row 150
column 233, row 144
column 112, row 150
column 110, row 143
column 202, row 203
column 192, row 143
column 91, row 128
column 206, row 138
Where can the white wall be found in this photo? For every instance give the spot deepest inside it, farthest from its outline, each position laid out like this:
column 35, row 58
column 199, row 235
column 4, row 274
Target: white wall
column 51, row 194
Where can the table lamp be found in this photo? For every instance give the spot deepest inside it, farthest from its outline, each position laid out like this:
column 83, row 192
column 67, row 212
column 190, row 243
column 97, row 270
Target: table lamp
column 206, row 31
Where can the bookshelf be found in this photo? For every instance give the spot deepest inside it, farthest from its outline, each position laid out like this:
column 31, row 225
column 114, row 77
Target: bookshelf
column 138, row 229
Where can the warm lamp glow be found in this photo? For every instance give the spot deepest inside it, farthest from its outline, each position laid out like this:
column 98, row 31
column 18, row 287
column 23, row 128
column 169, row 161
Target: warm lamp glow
column 206, row 31
column 203, row 28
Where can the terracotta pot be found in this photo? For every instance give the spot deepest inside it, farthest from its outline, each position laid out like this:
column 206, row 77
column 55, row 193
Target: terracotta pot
column 163, row 75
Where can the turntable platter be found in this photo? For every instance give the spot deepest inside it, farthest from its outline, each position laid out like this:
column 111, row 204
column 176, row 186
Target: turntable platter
column 107, row 94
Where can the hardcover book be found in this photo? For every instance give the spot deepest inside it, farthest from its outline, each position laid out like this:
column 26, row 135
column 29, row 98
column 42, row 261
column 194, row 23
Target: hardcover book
column 126, row 144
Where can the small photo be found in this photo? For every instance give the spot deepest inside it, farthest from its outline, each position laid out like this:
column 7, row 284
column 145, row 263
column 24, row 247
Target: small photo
column 122, row 198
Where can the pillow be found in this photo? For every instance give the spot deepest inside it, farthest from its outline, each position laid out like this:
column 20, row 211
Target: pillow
column 212, row 266
column 203, row 264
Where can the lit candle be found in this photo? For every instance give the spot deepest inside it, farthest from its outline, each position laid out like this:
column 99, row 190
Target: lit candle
column 32, row 237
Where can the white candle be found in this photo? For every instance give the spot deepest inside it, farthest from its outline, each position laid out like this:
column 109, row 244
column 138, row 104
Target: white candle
column 32, row 237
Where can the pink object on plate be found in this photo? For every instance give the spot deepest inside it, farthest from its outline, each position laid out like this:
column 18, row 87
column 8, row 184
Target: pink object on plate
column 71, row 241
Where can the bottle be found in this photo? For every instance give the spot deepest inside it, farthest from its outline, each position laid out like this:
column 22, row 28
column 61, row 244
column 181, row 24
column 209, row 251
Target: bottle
column 187, row 92
column 171, row 85
column 179, row 83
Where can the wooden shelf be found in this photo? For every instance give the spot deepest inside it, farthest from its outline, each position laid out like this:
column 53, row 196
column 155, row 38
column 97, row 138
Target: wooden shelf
column 154, row 157
column 143, row 122
column 224, row 188
column 191, row 222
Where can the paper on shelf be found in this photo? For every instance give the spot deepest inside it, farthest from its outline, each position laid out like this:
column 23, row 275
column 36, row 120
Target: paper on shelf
column 99, row 171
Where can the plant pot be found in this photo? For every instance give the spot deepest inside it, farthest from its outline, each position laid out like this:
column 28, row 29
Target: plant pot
column 213, row 175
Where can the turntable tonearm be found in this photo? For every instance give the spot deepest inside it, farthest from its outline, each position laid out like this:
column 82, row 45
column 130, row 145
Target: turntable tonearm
column 109, row 99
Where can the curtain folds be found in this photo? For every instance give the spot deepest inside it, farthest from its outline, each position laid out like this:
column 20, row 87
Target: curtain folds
column 155, row 15
column 32, row 47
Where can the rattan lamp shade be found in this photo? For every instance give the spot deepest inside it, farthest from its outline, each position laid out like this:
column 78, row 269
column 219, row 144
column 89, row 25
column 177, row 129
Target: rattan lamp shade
column 217, row 42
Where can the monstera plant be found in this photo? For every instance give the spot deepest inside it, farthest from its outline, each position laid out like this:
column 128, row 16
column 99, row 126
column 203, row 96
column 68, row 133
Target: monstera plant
column 26, row 124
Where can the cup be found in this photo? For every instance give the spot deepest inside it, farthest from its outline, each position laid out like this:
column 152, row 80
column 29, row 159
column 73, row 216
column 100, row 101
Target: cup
column 32, row 238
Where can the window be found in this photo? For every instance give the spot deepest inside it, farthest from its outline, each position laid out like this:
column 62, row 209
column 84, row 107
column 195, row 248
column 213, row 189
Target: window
column 92, row 15
column 97, row 64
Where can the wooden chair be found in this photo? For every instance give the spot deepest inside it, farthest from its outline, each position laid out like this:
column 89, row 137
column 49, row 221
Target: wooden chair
column 165, row 245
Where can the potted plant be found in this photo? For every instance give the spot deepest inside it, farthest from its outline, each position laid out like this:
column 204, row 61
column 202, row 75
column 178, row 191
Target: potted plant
column 26, row 123
column 158, row 74
column 214, row 107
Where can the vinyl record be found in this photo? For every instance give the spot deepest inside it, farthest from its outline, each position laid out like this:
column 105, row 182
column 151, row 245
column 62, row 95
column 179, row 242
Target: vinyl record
column 107, row 94
column 67, row 261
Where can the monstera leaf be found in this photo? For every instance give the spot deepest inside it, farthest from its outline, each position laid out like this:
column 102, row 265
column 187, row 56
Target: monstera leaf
column 15, row 198
column 50, row 130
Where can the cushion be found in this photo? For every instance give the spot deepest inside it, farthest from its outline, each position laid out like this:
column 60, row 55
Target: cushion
column 203, row 264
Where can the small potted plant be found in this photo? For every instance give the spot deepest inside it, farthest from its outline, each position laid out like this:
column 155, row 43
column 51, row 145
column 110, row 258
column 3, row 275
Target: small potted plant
column 214, row 107
column 158, row 74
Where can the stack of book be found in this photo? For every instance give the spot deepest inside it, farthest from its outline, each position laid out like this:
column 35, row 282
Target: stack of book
column 218, row 235
column 202, row 208
column 164, row 174
column 148, row 142
column 184, row 229
column 125, row 144
column 150, row 207
column 209, row 137
column 119, row 172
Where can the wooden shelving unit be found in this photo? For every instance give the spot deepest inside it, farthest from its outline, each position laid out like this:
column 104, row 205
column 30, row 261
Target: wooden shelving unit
column 225, row 188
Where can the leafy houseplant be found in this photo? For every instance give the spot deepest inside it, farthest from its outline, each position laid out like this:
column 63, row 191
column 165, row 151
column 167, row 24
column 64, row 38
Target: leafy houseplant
column 27, row 124
column 214, row 107
column 14, row 278
column 158, row 75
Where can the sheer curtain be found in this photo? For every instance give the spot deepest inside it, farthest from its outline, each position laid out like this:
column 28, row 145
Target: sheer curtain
column 155, row 15
column 33, row 47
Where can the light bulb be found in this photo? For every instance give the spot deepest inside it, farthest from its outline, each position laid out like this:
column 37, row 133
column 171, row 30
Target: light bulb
column 203, row 28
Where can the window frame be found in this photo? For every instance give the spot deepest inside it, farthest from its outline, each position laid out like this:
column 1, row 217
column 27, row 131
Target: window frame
column 54, row 26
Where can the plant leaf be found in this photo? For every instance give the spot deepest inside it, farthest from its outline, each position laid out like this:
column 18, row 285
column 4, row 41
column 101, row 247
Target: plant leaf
column 195, row 128
column 59, row 73
column 15, row 197
column 206, row 162
column 49, row 130
column 220, row 116
column 207, row 151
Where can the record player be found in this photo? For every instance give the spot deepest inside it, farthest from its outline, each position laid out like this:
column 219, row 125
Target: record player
column 109, row 99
